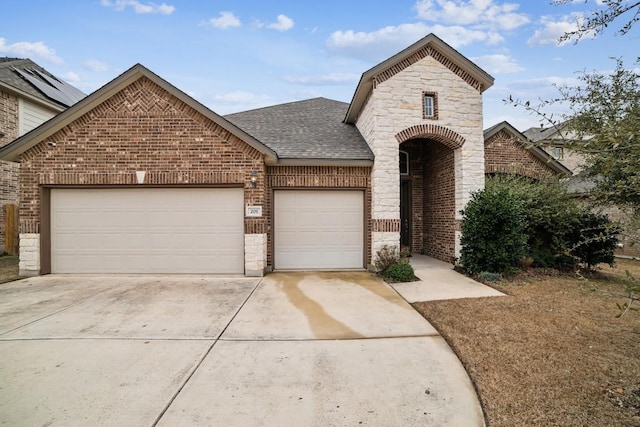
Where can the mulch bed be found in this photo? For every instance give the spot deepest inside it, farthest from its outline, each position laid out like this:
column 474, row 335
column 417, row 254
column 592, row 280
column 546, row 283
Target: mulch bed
column 552, row 352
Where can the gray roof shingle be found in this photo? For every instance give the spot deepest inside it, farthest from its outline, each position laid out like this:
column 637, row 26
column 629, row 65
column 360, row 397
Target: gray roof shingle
column 28, row 77
column 310, row 129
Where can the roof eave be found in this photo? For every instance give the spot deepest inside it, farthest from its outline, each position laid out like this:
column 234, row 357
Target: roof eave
column 43, row 102
column 537, row 151
column 322, row 162
column 13, row 150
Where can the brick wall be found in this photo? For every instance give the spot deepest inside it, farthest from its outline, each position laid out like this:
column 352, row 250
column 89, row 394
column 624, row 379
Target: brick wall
column 318, row 177
column 504, row 154
column 8, row 170
column 142, row 127
column 432, row 175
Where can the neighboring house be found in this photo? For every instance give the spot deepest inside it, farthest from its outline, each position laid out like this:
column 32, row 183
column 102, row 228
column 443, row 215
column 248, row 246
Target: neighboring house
column 29, row 96
column 138, row 177
column 555, row 139
column 507, row 151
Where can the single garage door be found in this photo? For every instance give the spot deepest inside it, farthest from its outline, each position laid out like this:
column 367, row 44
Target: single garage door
column 150, row 230
column 316, row 229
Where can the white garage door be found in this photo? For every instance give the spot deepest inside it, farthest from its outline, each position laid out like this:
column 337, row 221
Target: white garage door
column 318, row 229
column 151, row 230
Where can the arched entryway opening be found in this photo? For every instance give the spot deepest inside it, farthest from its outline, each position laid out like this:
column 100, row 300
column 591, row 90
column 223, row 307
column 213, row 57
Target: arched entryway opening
column 428, row 192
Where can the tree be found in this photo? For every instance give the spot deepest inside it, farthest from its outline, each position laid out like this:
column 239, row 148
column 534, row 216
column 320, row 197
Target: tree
column 600, row 19
column 603, row 126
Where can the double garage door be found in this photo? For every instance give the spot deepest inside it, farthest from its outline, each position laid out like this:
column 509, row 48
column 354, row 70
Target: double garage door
column 147, row 230
column 199, row 230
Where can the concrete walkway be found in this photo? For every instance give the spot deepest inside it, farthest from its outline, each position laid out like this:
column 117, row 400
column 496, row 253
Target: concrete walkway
column 304, row 349
column 439, row 281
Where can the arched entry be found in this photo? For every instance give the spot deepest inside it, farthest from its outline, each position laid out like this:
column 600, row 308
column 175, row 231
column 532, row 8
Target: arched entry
column 427, row 190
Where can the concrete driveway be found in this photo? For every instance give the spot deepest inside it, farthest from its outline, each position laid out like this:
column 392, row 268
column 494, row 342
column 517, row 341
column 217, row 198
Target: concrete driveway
column 316, row 349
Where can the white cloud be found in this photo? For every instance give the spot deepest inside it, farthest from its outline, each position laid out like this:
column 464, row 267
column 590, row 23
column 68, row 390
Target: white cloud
column 377, row 45
column 140, row 8
column 480, row 13
column 552, row 30
column 71, row 77
column 283, row 23
column 95, row 65
column 225, row 20
column 32, row 50
column 498, row 64
column 325, row 79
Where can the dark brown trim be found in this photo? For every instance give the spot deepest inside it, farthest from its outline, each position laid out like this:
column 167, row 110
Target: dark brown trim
column 109, row 186
column 45, row 230
column 406, row 212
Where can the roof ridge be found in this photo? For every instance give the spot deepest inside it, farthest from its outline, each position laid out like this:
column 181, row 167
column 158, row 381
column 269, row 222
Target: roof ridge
column 285, row 104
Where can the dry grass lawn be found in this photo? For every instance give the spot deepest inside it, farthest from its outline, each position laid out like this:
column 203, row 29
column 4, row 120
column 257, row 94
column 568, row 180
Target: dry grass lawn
column 551, row 353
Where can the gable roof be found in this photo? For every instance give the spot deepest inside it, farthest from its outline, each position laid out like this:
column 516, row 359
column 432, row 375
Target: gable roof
column 401, row 59
column 540, row 153
column 27, row 79
column 306, row 130
column 537, row 134
column 35, row 136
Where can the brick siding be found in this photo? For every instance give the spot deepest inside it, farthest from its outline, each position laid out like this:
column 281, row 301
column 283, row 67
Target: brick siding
column 503, row 154
column 8, row 170
column 432, row 176
column 319, row 177
column 142, row 127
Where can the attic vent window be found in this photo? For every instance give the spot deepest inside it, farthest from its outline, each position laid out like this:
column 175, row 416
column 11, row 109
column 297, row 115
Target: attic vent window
column 429, row 105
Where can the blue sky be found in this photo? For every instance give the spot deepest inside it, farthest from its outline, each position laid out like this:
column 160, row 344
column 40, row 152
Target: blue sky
column 238, row 55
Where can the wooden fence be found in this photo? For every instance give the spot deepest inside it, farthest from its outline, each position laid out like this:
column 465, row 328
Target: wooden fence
column 11, row 229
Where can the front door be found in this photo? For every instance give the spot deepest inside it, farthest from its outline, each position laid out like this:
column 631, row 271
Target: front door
column 405, row 214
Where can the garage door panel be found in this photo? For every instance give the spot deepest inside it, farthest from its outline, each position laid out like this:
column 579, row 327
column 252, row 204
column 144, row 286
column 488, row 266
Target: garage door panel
column 147, row 230
column 318, row 229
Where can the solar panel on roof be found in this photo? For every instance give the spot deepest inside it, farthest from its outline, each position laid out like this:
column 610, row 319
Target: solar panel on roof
column 52, row 88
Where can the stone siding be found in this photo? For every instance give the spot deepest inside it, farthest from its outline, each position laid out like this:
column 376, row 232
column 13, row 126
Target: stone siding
column 396, row 104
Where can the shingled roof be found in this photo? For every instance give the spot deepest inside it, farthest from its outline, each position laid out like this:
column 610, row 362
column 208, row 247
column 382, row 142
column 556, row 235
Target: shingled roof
column 28, row 78
column 310, row 129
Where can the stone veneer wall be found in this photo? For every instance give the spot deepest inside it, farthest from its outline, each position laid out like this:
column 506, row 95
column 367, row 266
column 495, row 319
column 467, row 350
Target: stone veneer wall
column 9, row 171
column 142, row 127
column 505, row 154
column 318, row 177
column 395, row 105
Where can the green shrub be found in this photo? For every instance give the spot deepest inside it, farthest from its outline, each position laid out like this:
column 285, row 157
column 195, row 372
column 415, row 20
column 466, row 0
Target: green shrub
column 593, row 239
column 401, row 272
column 493, row 232
column 388, row 256
column 549, row 214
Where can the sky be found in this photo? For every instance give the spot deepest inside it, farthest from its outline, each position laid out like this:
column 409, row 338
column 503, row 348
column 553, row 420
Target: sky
column 238, row 55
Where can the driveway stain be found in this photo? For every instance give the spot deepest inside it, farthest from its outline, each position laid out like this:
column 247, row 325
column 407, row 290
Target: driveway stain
column 323, row 325
column 368, row 282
